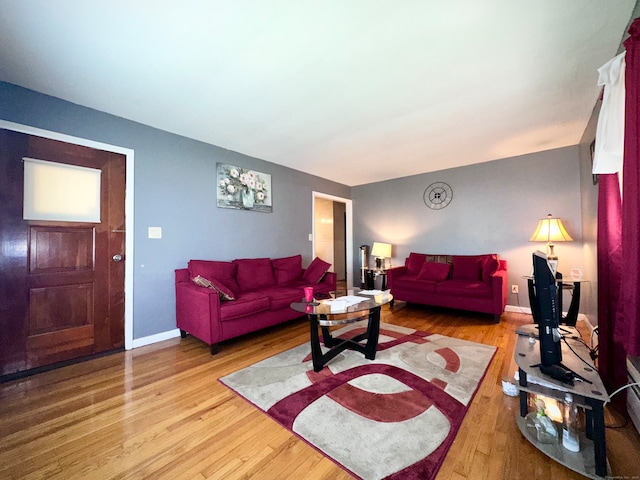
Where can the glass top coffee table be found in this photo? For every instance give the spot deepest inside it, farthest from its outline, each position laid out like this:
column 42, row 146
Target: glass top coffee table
column 341, row 311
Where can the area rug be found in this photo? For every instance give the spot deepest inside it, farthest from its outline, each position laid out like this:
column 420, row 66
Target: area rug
column 394, row 417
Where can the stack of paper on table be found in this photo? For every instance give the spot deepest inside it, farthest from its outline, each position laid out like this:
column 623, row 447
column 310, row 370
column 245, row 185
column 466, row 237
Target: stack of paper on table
column 340, row 304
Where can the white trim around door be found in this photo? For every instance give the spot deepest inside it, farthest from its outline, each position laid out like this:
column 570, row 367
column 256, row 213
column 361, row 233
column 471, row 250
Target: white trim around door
column 349, row 229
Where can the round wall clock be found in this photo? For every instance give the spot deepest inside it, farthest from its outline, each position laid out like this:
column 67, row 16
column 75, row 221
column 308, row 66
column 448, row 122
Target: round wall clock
column 438, row 195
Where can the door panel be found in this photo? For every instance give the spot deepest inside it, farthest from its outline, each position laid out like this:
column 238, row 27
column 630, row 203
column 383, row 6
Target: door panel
column 56, row 249
column 61, row 294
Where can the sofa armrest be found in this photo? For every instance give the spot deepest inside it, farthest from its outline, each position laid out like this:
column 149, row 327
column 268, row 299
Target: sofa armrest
column 394, row 273
column 198, row 311
column 499, row 285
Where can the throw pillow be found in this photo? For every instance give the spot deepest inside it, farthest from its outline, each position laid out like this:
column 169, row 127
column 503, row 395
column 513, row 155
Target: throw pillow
column 414, row 263
column 315, row 271
column 254, row 273
column 467, row 268
column 223, row 292
column 288, row 269
column 222, row 271
column 489, row 267
column 437, row 272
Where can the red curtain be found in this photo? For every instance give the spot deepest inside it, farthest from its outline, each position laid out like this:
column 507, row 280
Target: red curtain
column 612, row 356
column 629, row 311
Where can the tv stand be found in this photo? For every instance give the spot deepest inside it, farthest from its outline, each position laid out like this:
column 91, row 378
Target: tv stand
column 588, row 392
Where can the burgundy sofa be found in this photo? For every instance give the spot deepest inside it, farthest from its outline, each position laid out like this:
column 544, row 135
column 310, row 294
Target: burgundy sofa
column 468, row 282
column 244, row 295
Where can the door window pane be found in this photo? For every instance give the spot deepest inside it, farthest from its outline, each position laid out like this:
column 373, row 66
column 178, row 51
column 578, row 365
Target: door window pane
column 60, row 192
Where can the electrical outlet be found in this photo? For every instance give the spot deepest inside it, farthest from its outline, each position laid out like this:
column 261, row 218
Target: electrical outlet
column 514, row 288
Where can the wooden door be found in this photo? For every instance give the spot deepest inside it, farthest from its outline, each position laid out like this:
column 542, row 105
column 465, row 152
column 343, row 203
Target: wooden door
column 61, row 292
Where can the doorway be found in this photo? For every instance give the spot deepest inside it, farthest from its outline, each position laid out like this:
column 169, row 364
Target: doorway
column 332, row 234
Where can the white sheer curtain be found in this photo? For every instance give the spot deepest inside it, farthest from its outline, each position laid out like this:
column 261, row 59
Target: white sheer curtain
column 610, row 131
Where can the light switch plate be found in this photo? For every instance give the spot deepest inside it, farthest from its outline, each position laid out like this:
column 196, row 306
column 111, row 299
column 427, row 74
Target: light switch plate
column 155, row 232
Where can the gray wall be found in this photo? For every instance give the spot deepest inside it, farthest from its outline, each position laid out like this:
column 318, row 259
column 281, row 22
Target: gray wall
column 495, row 209
column 589, row 206
column 175, row 188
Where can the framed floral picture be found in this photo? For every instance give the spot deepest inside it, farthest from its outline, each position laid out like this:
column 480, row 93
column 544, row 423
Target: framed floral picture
column 243, row 189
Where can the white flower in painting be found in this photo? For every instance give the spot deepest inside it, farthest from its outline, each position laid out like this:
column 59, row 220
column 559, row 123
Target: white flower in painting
column 233, row 181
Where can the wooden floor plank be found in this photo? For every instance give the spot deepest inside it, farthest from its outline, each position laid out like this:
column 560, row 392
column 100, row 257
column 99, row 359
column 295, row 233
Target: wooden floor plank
column 160, row 412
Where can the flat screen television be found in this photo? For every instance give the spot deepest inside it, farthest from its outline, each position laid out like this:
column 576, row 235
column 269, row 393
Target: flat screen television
column 545, row 291
column 546, row 301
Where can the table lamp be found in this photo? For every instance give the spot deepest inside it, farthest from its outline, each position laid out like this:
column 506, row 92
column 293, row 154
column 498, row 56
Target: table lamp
column 551, row 230
column 381, row 251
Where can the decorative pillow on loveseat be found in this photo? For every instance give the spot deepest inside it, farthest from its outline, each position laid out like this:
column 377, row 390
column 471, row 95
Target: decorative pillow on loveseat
column 223, row 292
column 414, row 263
column 288, row 269
column 489, row 267
column 315, row 271
column 435, row 271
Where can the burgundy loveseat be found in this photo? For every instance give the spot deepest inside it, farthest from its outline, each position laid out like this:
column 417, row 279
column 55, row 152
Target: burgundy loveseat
column 244, row 295
column 468, row 282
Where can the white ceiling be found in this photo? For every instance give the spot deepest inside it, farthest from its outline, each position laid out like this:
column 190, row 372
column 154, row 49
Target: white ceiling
column 356, row 91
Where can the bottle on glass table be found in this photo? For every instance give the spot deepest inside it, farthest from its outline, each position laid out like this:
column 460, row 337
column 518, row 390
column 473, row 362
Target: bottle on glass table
column 570, row 439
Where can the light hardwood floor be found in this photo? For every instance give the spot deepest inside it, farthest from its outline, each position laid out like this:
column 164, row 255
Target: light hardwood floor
column 160, row 412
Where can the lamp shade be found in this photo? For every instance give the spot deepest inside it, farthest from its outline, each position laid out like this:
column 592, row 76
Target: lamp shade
column 550, row 229
column 381, row 250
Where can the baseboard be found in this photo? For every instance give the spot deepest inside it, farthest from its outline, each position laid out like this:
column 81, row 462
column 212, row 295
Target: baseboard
column 517, row 309
column 158, row 337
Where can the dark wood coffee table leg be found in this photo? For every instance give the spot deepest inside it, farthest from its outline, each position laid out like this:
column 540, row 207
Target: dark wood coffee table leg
column 327, row 339
column 373, row 332
column 316, row 351
column 337, row 345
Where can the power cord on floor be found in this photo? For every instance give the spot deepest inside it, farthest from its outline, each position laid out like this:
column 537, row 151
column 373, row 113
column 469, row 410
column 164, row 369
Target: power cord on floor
column 522, row 310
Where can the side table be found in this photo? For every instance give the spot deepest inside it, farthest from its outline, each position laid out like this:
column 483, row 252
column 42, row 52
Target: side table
column 591, row 460
column 571, row 317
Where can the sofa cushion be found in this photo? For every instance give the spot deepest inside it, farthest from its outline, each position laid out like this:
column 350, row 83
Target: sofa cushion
column 246, row 303
column 464, row 288
column 224, row 292
column 437, row 272
column 254, row 273
column 412, row 283
column 316, row 270
column 467, row 268
column 489, row 267
column 282, row 297
column 414, row 263
column 223, row 271
column 288, row 269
